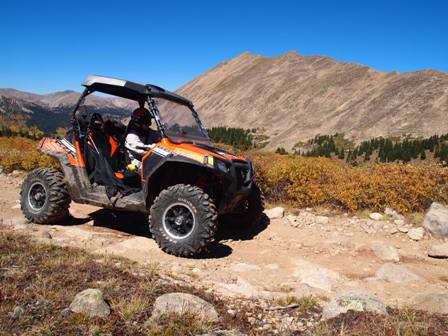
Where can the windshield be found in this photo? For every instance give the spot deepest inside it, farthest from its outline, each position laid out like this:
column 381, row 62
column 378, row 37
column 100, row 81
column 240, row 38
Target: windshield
column 181, row 123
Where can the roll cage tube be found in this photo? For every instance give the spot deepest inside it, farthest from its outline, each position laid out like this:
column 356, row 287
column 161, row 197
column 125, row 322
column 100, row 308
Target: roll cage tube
column 155, row 114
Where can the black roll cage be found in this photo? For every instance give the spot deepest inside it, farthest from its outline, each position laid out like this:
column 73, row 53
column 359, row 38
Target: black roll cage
column 141, row 94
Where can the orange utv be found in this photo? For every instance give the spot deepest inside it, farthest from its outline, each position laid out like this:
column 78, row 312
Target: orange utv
column 184, row 184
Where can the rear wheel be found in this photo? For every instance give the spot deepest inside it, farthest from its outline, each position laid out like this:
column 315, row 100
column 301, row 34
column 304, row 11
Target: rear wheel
column 183, row 220
column 44, row 197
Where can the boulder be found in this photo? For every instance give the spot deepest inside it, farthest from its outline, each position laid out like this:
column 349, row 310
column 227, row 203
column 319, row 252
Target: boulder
column 91, row 303
column 438, row 251
column 436, row 220
column 416, row 233
column 376, row 216
column 183, row 303
column 385, row 252
column 353, row 301
column 275, row 213
column 432, row 302
column 395, row 273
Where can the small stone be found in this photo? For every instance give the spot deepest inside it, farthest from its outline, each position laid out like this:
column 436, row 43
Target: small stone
column 403, row 229
column 231, row 312
column 322, row 220
column 432, row 302
column 439, row 251
column 182, row 303
column 399, row 222
column 353, row 301
column 18, row 311
column 416, row 234
column 275, row 213
column 396, row 273
column 65, row 312
column 436, row 220
column 251, row 320
column 91, row 303
column 392, row 213
column 385, row 252
column 376, row 216
column 393, row 231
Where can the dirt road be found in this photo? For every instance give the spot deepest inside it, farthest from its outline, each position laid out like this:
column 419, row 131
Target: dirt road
column 299, row 254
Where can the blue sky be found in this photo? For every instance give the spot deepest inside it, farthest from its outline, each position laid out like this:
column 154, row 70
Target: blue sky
column 51, row 45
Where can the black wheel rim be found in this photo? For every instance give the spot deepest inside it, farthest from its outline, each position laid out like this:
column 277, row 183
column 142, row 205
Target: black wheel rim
column 179, row 221
column 37, row 196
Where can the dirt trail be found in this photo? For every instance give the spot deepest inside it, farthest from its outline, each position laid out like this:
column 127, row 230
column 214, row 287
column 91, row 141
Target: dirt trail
column 295, row 255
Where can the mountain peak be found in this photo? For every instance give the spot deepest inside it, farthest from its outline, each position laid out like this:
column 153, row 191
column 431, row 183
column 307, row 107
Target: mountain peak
column 295, row 100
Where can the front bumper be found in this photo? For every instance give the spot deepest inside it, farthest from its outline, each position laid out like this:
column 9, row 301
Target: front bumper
column 237, row 186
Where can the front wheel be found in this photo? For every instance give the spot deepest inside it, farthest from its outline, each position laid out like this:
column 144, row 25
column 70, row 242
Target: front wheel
column 44, row 198
column 183, row 220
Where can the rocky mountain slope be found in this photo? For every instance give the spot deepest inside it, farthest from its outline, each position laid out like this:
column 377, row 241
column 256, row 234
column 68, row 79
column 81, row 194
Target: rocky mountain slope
column 295, row 97
column 289, row 98
column 52, row 110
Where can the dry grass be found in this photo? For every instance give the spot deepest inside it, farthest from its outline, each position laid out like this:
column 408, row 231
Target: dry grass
column 21, row 153
column 43, row 279
column 404, row 322
column 317, row 182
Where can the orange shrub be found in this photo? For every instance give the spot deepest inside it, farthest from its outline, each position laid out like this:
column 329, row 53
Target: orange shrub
column 311, row 182
column 21, row 153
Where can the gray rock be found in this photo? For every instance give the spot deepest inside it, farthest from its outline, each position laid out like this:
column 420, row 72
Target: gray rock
column 438, row 251
column 231, row 332
column 436, row 220
column 376, row 216
column 315, row 276
column 403, row 228
column 392, row 213
column 385, row 252
column 432, row 302
column 91, row 303
column 18, row 311
column 275, row 213
column 182, row 303
column 416, row 233
column 353, row 301
column 65, row 312
column 399, row 221
column 395, row 273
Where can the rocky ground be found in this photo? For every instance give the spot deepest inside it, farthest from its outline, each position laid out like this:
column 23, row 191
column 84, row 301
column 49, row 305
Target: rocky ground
column 346, row 262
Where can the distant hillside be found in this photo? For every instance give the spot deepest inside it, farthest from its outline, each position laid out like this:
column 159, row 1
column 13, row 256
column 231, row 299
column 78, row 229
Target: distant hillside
column 52, row 110
column 296, row 97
